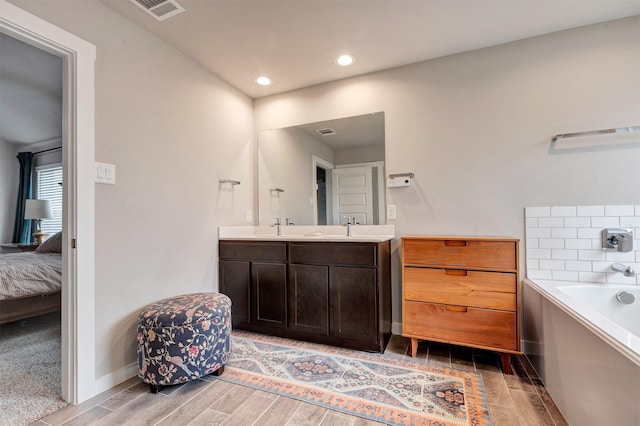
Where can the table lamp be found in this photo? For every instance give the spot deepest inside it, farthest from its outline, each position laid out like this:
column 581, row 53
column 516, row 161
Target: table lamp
column 38, row 210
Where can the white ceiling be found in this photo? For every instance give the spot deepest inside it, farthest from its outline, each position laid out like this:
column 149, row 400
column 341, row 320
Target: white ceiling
column 295, row 42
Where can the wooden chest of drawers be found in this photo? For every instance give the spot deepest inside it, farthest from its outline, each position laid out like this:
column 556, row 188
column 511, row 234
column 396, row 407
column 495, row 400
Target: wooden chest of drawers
column 462, row 290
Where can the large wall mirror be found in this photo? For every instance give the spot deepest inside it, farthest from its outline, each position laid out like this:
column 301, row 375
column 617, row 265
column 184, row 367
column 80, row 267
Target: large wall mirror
column 323, row 173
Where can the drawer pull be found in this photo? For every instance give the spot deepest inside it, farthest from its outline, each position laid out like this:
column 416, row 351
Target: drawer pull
column 456, row 272
column 455, row 243
column 454, row 308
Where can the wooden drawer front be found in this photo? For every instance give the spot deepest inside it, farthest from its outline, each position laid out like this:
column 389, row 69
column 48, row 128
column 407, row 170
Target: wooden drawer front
column 352, row 254
column 493, row 290
column 460, row 325
column 255, row 251
column 460, row 253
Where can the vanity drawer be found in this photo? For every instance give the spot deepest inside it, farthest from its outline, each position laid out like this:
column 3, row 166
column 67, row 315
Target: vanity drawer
column 460, row 253
column 492, row 290
column 352, row 254
column 254, row 251
column 461, row 325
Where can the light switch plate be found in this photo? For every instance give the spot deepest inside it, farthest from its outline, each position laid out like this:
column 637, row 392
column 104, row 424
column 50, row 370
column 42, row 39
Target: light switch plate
column 391, row 211
column 105, row 173
column 249, row 216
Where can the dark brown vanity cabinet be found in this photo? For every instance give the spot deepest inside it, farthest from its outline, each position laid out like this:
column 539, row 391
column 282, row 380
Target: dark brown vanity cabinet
column 254, row 276
column 336, row 293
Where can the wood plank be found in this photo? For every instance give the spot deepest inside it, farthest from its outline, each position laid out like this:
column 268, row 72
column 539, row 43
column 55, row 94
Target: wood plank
column 231, row 400
column 491, row 290
column 279, row 412
column 336, row 419
column 70, row 411
column 252, row 409
column 496, row 389
column 207, row 418
column 530, row 409
column 481, row 327
column 307, row 415
column 190, row 411
column 503, row 416
column 460, row 253
column 89, row 417
column 125, row 397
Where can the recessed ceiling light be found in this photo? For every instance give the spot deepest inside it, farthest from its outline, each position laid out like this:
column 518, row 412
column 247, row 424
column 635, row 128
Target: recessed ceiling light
column 345, row 60
column 264, row 81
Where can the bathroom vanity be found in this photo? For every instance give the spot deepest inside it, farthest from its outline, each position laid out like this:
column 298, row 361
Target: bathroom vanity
column 310, row 285
column 462, row 290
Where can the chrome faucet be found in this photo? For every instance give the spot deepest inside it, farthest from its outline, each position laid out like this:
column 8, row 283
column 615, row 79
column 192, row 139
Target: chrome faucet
column 350, row 222
column 278, row 226
column 288, row 221
column 626, row 270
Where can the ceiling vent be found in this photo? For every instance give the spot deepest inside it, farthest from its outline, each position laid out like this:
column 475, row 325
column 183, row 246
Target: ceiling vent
column 325, row 132
column 159, row 9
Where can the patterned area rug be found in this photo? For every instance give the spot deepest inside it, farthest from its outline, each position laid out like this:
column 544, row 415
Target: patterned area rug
column 386, row 388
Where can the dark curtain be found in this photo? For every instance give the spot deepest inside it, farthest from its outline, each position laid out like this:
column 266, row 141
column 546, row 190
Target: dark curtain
column 22, row 228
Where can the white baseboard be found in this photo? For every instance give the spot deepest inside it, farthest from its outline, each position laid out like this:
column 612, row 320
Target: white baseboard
column 108, row 381
column 396, row 328
column 531, row 347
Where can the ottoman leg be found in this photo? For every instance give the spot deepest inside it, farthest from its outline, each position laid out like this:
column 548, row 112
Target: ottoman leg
column 154, row 388
column 219, row 371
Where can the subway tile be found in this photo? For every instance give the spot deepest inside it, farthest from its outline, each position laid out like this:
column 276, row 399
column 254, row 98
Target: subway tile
column 588, row 233
column 539, row 253
column 597, row 255
column 637, row 209
column 532, row 243
column 590, row 211
column 551, row 222
column 578, row 265
column 539, row 274
column 577, row 243
column 592, row 277
column 552, row 264
column 563, row 211
column 605, row 221
column 553, row 243
column 564, row 254
column 618, row 256
column 537, row 211
column 565, row 275
column 602, row 267
column 538, row 233
column 620, row 278
column 618, row 210
column 531, row 222
column 577, row 222
column 630, row 222
column 564, row 232
column 532, row 263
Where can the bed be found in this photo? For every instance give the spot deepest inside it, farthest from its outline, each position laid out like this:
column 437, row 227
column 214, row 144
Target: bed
column 31, row 282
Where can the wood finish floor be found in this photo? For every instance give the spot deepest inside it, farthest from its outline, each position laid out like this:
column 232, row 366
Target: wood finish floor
column 514, row 400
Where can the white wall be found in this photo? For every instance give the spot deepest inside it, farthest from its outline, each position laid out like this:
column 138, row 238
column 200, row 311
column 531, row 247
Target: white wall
column 475, row 128
column 9, row 171
column 173, row 130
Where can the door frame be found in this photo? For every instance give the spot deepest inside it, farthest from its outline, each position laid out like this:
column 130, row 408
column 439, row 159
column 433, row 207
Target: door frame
column 78, row 379
column 323, row 164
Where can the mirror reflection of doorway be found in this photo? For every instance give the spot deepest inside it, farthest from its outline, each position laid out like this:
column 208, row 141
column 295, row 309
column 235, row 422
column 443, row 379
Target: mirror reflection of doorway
column 321, row 195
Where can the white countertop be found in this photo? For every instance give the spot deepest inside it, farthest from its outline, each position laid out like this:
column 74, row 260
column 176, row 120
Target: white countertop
column 325, row 233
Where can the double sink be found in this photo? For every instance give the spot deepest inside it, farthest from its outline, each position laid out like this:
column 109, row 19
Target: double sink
column 357, row 233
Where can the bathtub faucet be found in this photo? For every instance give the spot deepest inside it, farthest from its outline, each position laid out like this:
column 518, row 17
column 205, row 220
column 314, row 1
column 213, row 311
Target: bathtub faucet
column 626, row 270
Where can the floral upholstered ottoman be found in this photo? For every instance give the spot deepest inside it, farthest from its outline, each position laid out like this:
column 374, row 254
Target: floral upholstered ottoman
column 183, row 338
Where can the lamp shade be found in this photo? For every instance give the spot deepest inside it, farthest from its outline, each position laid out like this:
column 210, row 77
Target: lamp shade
column 38, row 209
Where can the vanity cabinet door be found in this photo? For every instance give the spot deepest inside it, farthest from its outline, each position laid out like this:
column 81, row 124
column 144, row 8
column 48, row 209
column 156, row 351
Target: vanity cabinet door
column 353, row 304
column 269, row 294
column 309, row 299
column 235, row 280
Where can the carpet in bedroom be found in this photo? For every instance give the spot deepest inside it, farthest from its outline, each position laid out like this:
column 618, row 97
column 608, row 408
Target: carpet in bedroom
column 30, row 369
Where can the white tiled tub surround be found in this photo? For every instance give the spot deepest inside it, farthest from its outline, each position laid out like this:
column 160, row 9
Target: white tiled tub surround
column 564, row 243
column 569, row 337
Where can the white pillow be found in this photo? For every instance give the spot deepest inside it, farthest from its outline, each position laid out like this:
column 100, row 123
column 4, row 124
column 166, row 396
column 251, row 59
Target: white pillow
column 51, row 245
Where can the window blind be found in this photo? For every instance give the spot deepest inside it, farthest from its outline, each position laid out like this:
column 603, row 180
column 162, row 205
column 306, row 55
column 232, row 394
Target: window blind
column 49, row 187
